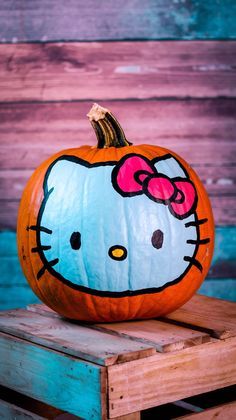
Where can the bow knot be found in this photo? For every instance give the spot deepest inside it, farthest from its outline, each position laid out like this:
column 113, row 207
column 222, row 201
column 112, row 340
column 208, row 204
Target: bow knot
column 137, row 175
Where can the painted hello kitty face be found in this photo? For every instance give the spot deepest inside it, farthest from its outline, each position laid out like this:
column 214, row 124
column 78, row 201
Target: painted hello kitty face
column 118, row 229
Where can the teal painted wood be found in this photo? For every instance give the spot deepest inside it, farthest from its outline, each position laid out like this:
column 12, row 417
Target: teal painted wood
column 51, row 377
column 221, row 282
column 219, row 288
column 224, row 261
column 136, row 19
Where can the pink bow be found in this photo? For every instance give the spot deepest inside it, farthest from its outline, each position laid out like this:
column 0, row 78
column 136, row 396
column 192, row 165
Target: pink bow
column 137, row 175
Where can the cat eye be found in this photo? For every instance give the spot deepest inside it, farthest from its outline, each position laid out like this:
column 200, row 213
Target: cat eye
column 157, row 239
column 75, row 240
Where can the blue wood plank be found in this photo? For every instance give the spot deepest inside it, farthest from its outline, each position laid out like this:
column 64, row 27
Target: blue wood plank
column 219, row 288
column 51, row 377
column 53, row 20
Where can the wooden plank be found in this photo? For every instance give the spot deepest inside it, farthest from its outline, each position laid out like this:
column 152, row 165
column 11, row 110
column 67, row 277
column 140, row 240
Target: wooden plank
column 167, row 377
column 11, row 411
column 201, row 131
column 16, row 296
column 36, row 371
column 73, row 339
column 216, row 316
column 160, row 335
column 224, row 412
column 163, row 336
column 150, row 19
column 220, row 288
column 76, row 71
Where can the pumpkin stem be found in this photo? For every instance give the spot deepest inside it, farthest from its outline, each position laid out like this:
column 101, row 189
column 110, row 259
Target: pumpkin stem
column 108, row 131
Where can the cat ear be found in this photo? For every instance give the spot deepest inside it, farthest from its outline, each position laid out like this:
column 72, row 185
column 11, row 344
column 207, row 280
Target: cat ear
column 62, row 169
column 170, row 167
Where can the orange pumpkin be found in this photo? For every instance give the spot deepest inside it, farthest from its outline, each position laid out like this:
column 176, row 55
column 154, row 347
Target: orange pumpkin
column 114, row 232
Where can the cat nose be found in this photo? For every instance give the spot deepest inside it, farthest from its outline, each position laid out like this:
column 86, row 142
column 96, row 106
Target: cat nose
column 117, row 252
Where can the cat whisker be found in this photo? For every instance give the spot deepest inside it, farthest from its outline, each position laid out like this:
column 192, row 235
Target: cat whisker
column 198, row 241
column 39, row 228
column 193, row 261
column 196, row 222
column 41, row 248
column 45, row 267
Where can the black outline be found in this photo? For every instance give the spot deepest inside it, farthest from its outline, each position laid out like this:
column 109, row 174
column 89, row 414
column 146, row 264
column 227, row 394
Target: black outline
column 200, row 242
column 41, row 228
column 43, row 248
column 47, row 264
column 44, row 267
column 123, row 257
column 194, row 262
column 198, row 222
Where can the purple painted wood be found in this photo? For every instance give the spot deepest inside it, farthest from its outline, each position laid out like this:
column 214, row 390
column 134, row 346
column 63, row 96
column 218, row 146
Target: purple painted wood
column 121, row 70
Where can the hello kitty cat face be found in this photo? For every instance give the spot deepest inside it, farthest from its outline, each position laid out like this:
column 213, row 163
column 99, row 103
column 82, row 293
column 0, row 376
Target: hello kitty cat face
column 98, row 233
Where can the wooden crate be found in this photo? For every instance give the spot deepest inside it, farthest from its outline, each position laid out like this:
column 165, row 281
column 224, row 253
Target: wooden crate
column 118, row 370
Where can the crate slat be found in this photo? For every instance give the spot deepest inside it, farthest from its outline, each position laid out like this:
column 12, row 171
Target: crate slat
column 62, row 381
column 160, row 335
column 224, row 412
column 75, row 71
column 168, row 377
column 216, row 316
column 73, row 339
column 164, row 337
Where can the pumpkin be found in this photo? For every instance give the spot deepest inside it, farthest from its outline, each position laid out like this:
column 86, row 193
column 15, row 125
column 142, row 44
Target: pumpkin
column 114, row 232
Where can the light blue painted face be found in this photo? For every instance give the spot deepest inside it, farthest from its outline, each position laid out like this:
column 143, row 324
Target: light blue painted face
column 83, row 217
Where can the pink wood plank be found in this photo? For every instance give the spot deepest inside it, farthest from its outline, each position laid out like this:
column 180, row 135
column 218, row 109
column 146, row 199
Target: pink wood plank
column 121, row 70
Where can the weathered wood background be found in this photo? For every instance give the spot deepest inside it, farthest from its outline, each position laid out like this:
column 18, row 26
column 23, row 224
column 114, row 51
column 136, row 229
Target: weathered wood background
column 165, row 68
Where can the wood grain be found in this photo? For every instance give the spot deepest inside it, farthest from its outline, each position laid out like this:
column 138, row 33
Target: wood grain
column 200, row 131
column 136, row 19
column 163, row 336
column 216, row 316
column 168, row 377
column 158, row 334
column 39, row 373
column 222, row 412
column 73, row 339
column 76, row 71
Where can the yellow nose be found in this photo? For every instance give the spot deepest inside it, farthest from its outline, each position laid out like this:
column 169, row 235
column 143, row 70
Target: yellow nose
column 118, row 252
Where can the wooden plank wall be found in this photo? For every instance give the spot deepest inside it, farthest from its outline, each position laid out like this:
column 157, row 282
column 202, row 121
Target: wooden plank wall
column 165, row 68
